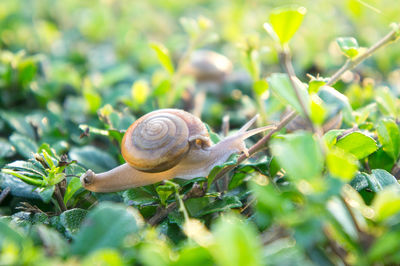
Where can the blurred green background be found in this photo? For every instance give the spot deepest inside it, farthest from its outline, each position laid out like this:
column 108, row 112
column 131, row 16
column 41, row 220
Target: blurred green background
column 75, row 74
column 103, row 44
column 68, row 63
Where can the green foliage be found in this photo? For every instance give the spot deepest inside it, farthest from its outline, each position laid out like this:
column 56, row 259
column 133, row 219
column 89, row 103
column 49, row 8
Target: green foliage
column 236, row 243
column 115, row 222
column 323, row 189
column 280, row 84
column 349, row 46
column 358, row 144
column 299, row 154
column 163, row 57
column 286, row 21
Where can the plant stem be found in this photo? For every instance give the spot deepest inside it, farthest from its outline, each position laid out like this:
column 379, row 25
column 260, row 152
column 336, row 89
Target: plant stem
column 59, row 198
column 4, row 194
column 259, row 145
column 287, row 64
column 197, row 191
column 350, row 64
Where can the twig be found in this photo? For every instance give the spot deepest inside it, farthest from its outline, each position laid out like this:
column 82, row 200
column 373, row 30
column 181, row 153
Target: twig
column 259, row 145
column 287, row 65
column 336, row 248
column 352, row 216
column 364, row 238
column 27, row 207
column 59, row 198
column 4, row 194
column 350, row 64
column 225, row 125
column 194, row 192
column 197, row 191
column 273, row 234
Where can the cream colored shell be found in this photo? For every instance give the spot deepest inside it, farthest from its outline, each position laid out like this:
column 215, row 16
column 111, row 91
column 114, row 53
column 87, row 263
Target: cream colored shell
column 159, row 140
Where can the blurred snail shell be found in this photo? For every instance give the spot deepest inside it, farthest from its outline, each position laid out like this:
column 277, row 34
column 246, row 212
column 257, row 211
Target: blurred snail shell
column 208, row 66
column 165, row 144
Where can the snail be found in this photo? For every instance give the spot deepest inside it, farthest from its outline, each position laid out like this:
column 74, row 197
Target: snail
column 208, row 66
column 210, row 70
column 165, row 144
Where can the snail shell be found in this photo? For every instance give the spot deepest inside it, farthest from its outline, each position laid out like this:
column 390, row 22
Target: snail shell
column 159, row 140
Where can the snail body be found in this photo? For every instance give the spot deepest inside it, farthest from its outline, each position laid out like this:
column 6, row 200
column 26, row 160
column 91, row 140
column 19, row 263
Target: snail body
column 166, row 144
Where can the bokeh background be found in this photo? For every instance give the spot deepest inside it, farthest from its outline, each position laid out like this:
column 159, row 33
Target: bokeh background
column 68, row 63
column 74, row 74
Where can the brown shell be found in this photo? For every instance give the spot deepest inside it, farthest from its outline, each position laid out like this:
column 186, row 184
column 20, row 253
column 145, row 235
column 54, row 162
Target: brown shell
column 208, row 65
column 159, row 140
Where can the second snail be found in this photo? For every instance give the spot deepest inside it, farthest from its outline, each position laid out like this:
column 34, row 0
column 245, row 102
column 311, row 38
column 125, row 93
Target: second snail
column 166, row 144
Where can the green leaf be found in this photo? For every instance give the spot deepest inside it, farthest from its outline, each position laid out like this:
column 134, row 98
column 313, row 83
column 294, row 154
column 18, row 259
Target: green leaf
column 194, row 256
column 93, row 158
column 341, row 164
column 18, row 187
column 72, row 219
column 349, row 46
column 232, row 160
column 286, row 21
column 32, row 166
column 358, row 144
column 140, row 92
column 317, row 109
column 190, row 26
column 18, row 123
column 384, row 245
column 6, row 149
column 24, row 145
column 215, row 138
column 330, row 137
column 260, row 87
column 281, row 86
column 334, row 101
column 25, row 178
column 104, row 257
column 93, row 100
column 369, row 184
column 387, row 202
column 299, row 154
column 73, row 186
column 337, row 209
column 387, row 102
column 164, row 191
column 251, row 61
column 220, row 205
column 389, row 137
column 315, row 84
column 380, row 159
column 360, row 182
column 264, row 166
column 381, row 178
column 163, row 56
column 106, row 226
column 162, row 88
column 8, row 233
column 138, row 196
column 236, row 243
column 52, row 241
column 46, row 193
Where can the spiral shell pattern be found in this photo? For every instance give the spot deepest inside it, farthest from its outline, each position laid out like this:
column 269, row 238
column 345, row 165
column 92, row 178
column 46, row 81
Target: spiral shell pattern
column 157, row 141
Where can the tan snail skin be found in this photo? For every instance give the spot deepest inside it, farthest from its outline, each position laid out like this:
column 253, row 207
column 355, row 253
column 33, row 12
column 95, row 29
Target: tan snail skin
column 166, row 144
